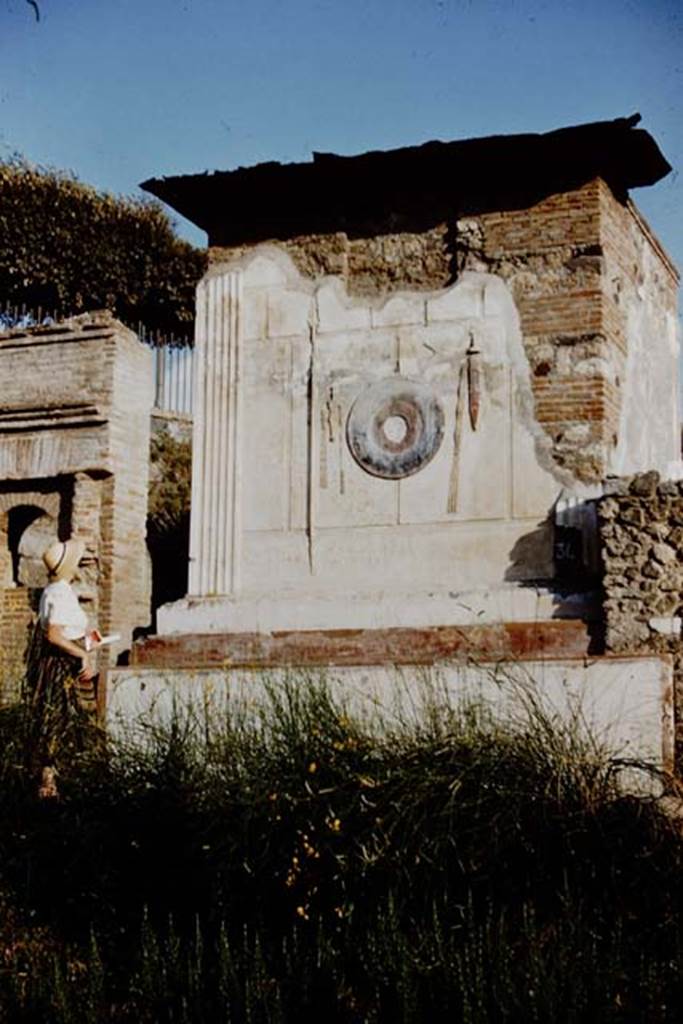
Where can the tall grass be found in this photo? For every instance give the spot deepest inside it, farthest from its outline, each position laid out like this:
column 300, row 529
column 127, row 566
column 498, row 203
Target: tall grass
column 299, row 860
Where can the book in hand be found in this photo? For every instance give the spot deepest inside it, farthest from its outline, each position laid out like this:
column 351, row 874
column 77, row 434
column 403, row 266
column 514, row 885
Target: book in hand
column 94, row 640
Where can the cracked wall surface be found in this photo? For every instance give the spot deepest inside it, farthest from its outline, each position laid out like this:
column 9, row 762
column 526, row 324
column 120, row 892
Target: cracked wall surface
column 596, row 296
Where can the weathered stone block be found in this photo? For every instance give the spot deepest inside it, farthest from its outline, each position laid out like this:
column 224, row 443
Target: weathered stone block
column 644, row 485
column 634, row 515
column 663, row 553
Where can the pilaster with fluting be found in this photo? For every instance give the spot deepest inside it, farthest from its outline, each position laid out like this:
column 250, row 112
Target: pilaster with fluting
column 214, row 521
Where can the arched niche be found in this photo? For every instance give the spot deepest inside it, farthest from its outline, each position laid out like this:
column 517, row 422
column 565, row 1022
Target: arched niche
column 30, row 530
column 29, row 522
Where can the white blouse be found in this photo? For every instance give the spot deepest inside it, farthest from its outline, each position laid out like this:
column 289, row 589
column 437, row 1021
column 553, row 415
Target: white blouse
column 59, row 606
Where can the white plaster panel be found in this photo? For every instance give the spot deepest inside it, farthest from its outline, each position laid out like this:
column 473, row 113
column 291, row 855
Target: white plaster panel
column 346, row 494
column 320, row 609
column 266, row 269
column 534, row 490
column 290, row 311
column 624, row 704
column 337, row 311
column 465, row 299
column 496, row 298
column 373, row 559
column 255, row 313
column 301, row 367
column 651, row 381
column 266, row 436
column 402, row 309
column 478, row 464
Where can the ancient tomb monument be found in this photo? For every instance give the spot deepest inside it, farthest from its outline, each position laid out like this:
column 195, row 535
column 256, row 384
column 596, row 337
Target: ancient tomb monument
column 75, row 403
column 407, row 358
column 409, row 363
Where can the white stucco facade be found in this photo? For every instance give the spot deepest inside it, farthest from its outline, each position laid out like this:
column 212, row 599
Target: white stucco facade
column 289, row 530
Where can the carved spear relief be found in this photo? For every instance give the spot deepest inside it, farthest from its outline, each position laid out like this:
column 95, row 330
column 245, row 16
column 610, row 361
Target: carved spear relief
column 470, row 371
column 326, row 434
column 454, row 478
column 340, row 435
column 473, row 382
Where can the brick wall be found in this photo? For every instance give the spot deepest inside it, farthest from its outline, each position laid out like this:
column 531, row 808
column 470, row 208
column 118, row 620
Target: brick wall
column 75, row 404
column 575, row 262
column 50, row 501
column 16, row 618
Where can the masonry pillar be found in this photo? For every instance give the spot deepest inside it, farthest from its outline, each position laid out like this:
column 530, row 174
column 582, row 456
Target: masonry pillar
column 85, row 524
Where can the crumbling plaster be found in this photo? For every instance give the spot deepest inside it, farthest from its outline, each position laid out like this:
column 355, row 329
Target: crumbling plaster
column 597, row 299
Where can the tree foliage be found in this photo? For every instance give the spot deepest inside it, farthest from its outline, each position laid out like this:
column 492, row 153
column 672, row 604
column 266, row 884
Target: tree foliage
column 170, row 483
column 66, row 246
column 168, row 515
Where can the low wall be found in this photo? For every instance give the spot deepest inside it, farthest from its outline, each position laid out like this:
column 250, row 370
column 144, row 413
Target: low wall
column 625, row 703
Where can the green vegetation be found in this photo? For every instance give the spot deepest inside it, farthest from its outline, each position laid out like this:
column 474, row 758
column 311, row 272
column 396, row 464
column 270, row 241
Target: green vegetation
column 168, row 515
column 67, row 247
column 291, row 862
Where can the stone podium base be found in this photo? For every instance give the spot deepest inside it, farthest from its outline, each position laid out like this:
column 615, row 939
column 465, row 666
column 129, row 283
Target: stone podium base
column 626, row 703
column 506, row 641
column 381, row 610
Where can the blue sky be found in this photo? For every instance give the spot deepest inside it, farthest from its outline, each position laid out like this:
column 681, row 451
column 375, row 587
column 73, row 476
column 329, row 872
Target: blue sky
column 123, row 90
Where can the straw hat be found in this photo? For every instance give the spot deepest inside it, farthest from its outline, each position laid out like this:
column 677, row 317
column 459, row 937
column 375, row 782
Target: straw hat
column 62, row 558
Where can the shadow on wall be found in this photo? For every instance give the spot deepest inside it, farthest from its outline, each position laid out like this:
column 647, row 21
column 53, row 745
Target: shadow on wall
column 531, row 557
column 169, row 552
column 552, row 557
column 30, row 530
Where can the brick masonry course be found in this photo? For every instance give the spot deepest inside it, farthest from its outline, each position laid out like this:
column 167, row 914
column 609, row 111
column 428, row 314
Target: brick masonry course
column 75, row 405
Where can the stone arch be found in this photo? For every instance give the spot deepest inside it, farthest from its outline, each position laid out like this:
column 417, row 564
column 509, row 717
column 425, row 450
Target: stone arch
column 28, row 521
column 48, row 502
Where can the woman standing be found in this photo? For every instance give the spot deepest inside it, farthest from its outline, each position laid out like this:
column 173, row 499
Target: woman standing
column 61, row 678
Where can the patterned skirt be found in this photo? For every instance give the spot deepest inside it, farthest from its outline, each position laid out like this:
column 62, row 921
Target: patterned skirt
column 59, row 711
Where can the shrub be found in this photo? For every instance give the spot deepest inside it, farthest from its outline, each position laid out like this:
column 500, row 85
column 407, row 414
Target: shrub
column 288, row 860
column 68, row 247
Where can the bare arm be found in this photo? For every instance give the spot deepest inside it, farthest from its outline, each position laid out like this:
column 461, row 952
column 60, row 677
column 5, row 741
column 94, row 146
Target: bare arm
column 57, row 637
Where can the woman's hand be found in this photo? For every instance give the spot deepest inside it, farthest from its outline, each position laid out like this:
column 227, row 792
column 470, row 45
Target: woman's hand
column 57, row 637
column 87, row 673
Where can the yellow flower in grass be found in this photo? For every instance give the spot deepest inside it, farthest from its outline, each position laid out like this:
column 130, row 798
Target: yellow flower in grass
column 334, row 824
column 312, row 768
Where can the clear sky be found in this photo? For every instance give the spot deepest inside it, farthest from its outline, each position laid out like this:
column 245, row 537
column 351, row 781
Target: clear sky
column 122, row 90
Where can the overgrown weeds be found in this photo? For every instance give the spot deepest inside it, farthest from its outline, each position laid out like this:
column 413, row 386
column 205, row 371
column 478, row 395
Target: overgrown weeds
column 294, row 858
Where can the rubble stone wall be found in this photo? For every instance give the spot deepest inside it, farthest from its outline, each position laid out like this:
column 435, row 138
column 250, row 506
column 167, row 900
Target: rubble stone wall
column 641, row 539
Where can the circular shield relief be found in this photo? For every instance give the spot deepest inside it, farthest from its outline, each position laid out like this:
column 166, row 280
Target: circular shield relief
column 395, row 427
